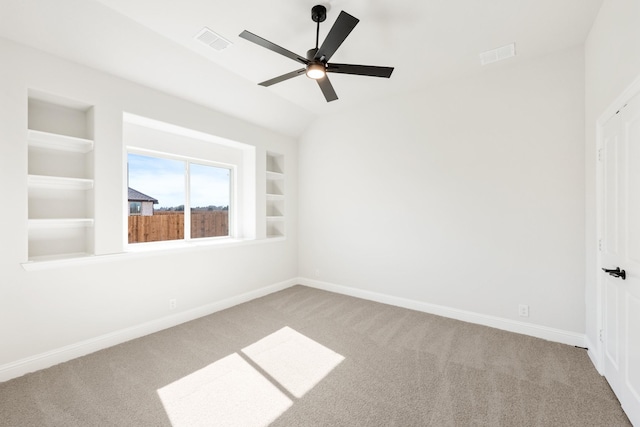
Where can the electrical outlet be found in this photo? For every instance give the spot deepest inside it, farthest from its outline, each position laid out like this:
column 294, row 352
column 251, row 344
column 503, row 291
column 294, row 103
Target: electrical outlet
column 172, row 304
column 317, row 272
column 523, row 310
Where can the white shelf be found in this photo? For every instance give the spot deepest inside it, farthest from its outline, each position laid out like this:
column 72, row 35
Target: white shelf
column 274, row 176
column 59, row 183
column 49, row 224
column 275, row 218
column 275, row 196
column 54, row 141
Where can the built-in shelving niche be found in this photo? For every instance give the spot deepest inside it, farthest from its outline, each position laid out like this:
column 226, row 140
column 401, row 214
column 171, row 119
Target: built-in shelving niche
column 60, row 177
column 275, row 195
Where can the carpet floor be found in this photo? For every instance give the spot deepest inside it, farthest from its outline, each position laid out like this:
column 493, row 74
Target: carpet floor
column 306, row 357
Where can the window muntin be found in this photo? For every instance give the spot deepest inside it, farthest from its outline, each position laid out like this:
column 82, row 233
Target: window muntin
column 201, row 189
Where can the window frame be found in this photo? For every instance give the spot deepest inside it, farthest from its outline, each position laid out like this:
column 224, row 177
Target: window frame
column 188, row 160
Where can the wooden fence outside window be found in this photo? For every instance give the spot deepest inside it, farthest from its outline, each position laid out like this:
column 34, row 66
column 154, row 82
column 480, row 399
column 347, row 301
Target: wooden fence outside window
column 170, row 226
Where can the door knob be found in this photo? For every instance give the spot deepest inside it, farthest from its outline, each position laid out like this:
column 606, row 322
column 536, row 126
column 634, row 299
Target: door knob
column 616, row 272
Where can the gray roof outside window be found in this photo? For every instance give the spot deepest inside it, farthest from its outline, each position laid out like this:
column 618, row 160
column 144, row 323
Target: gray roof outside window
column 136, row 196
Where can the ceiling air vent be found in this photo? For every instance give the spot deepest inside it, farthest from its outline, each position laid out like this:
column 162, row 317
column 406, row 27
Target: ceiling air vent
column 212, row 39
column 498, row 54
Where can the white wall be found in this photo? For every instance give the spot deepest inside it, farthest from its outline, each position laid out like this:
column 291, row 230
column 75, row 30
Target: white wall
column 469, row 195
column 41, row 311
column 612, row 63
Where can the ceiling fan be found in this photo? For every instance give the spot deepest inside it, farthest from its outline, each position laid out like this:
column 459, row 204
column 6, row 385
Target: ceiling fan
column 317, row 63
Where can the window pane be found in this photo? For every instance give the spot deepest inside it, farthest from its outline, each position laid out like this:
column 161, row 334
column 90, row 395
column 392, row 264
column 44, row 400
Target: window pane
column 158, row 185
column 210, row 192
column 135, row 208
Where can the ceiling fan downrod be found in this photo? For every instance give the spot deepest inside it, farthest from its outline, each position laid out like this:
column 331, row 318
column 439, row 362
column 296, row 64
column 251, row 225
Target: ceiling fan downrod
column 318, row 14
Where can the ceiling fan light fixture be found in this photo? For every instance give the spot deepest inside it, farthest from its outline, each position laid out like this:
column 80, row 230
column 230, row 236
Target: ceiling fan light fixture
column 316, row 70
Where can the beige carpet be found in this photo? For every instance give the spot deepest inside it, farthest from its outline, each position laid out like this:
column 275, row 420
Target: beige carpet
column 304, row 357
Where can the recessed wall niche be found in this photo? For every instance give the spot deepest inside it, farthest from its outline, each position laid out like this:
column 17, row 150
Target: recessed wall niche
column 60, row 177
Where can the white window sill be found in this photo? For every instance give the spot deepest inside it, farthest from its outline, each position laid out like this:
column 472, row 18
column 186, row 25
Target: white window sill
column 169, row 245
column 144, row 250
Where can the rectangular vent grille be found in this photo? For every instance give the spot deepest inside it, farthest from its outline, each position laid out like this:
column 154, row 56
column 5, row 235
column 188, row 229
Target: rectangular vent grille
column 498, row 54
column 212, row 39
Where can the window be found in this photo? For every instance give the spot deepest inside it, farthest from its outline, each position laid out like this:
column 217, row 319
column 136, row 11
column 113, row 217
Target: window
column 192, row 186
column 177, row 198
column 135, row 208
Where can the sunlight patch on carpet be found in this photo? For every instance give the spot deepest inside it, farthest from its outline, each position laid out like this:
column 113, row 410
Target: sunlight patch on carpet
column 232, row 392
column 295, row 361
column 229, row 392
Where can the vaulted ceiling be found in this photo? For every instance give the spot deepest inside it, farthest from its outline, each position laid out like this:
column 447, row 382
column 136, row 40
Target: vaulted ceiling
column 152, row 42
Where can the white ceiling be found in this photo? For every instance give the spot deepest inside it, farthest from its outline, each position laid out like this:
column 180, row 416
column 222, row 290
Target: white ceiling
column 427, row 41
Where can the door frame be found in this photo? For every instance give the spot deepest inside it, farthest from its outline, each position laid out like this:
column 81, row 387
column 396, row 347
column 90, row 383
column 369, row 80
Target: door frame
column 596, row 349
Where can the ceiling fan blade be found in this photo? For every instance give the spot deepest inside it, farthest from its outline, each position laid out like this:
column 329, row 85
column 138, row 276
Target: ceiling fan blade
column 361, row 70
column 283, row 77
column 338, row 33
column 273, row 47
column 327, row 89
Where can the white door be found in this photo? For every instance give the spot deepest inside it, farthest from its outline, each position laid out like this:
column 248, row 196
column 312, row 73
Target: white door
column 621, row 249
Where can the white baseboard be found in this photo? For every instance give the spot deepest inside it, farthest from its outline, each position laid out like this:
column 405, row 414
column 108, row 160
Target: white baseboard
column 72, row 351
column 594, row 355
column 538, row 331
column 63, row 354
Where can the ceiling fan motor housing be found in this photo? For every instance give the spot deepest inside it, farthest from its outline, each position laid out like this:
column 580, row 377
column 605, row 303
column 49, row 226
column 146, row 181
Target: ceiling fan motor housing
column 311, row 53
